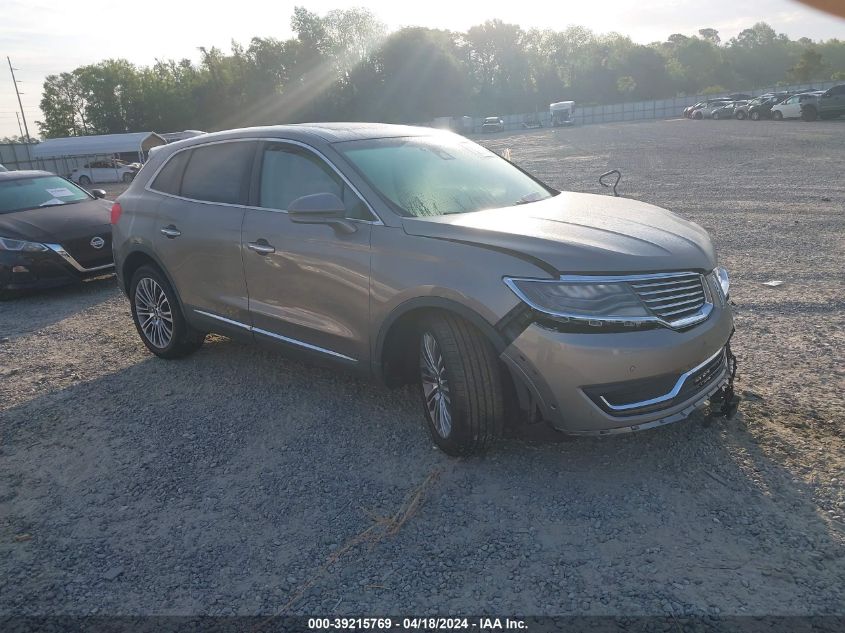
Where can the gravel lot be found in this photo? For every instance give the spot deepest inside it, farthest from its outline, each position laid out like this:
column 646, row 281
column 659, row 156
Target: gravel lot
column 240, row 482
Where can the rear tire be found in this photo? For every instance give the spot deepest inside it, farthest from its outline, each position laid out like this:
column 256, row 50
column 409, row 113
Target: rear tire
column 698, row 116
column 158, row 317
column 461, row 385
column 715, row 116
column 740, row 115
column 127, row 178
column 754, row 116
column 809, row 113
column 777, row 115
column 84, row 181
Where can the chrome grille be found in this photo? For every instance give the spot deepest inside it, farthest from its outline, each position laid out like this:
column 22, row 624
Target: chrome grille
column 671, row 297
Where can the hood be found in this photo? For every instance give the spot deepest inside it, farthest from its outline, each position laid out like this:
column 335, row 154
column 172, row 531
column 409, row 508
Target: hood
column 57, row 223
column 581, row 233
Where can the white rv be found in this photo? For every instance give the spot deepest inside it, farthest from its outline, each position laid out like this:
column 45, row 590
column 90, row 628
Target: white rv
column 561, row 113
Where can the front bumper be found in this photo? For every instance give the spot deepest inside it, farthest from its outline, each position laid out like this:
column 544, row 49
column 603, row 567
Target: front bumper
column 606, row 383
column 31, row 271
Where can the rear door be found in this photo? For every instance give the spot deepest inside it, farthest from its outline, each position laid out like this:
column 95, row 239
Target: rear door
column 791, row 108
column 308, row 283
column 198, row 234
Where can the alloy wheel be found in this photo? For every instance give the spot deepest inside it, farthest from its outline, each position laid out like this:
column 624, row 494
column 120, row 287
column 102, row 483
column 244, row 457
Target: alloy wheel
column 154, row 314
column 435, row 385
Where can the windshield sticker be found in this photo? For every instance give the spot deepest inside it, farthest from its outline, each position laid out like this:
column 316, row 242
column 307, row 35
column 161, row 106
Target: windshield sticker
column 61, row 192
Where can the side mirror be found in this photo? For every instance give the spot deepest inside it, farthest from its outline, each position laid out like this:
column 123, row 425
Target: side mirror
column 321, row 208
column 98, row 193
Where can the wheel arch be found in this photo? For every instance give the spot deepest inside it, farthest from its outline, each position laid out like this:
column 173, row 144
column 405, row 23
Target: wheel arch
column 391, row 342
column 139, row 257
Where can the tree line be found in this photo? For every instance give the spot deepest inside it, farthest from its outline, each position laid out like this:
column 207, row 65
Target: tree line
column 344, row 65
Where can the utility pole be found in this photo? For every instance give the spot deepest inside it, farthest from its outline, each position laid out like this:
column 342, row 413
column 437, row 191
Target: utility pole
column 20, row 103
column 18, row 117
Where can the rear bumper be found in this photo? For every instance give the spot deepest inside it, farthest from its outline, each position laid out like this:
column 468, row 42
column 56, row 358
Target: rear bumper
column 30, row 271
column 612, row 383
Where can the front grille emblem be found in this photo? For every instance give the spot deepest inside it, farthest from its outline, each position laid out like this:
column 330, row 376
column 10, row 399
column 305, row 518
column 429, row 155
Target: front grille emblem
column 97, row 242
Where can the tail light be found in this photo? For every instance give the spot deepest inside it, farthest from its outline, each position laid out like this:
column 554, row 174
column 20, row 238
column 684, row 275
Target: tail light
column 116, row 210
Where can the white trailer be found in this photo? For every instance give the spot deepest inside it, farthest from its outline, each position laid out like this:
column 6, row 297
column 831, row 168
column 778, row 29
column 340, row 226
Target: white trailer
column 561, row 113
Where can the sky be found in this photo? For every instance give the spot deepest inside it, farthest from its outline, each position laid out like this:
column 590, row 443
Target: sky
column 44, row 38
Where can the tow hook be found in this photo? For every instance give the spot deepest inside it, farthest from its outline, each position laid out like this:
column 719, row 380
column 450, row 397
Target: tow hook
column 725, row 402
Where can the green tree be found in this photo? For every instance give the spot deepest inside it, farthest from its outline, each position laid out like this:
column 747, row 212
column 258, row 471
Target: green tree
column 809, row 66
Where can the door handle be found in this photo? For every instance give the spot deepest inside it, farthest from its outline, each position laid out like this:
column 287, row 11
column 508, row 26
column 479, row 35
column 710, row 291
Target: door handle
column 170, row 231
column 261, row 247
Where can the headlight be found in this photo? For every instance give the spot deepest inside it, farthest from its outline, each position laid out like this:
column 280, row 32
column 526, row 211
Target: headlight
column 8, row 244
column 589, row 300
column 724, row 280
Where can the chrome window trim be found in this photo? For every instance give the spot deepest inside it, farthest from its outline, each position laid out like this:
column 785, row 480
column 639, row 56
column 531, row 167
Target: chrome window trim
column 148, row 186
column 668, row 396
column 286, row 339
column 693, row 319
column 61, row 252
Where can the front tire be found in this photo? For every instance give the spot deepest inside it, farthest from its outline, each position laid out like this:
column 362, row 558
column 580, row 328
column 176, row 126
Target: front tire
column 754, row 116
column 777, row 115
column 158, row 317
column 698, row 116
column 809, row 113
column 715, row 116
column 84, row 181
column 461, row 385
column 740, row 115
column 127, row 178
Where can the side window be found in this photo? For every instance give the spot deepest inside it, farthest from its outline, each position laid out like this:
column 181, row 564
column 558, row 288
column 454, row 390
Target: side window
column 289, row 173
column 169, row 179
column 217, row 173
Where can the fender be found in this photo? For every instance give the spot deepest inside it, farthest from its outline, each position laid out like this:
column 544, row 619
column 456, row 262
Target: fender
column 148, row 252
column 433, row 302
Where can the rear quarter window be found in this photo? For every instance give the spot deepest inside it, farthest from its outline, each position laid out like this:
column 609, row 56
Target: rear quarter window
column 169, row 179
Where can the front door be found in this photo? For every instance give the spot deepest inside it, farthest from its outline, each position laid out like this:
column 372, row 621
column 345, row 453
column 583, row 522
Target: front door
column 790, row 108
column 309, row 284
column 198, row 233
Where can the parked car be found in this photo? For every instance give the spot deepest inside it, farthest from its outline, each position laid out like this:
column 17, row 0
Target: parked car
column 829, row 105
column 739, row 96
column 493, row 124
column 3, row 168
column 705, row 109
column 790, row 108
column 99, row 171
column 763, row 108
column 727, row 110
column 416, row 256
column 51, row 232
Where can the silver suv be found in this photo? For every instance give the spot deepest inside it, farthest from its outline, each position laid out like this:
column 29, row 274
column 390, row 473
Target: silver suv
column 416, row 256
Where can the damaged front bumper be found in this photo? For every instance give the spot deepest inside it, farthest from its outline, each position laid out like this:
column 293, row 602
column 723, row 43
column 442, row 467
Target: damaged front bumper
column 601, row 384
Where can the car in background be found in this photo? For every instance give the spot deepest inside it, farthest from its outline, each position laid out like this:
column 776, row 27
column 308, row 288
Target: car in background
column 98, row 171
column 830, row 104
column 762, row 109
column 739, row 96
column 705, row 109
column 727, row 111
column 416, row 256
column 790, row 108
column 493, row 124
column 51, row 232
column 3, row 168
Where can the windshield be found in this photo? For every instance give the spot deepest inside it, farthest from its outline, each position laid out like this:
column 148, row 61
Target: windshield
column 426, row 176
column 42, row 191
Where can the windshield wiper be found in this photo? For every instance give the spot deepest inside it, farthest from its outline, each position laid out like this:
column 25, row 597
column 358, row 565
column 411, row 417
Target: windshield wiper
column 51, row 203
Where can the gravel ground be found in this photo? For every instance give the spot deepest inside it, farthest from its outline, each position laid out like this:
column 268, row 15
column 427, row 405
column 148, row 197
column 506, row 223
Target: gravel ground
column 240, row 482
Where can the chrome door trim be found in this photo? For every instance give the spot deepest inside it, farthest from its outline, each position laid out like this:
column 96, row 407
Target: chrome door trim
column 286, row 339
column 224, row 319
column 148, row 185
column 665, row 397
column 294, row 341
column 61, row 252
